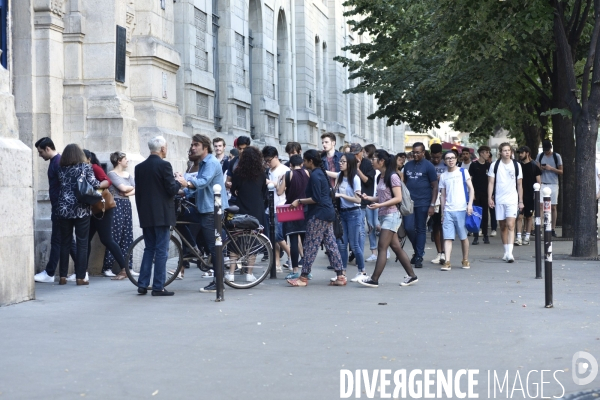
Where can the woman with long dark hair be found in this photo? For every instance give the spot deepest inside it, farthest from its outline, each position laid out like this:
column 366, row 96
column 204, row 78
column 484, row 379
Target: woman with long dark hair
column 293, row 183
column 102, row 223
column 248, row 185
column 389, row 195
column 73, row 214
column 347, row 193
column 319, row 216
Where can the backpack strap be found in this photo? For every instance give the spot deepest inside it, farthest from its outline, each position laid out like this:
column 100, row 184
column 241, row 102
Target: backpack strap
column 495, row 178
column 288, row 178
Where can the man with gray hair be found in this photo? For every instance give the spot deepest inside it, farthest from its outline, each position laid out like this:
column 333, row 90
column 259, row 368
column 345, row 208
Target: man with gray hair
column 155, row 189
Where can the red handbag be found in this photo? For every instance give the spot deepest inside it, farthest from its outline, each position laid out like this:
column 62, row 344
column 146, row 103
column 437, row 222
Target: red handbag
column 286, row 213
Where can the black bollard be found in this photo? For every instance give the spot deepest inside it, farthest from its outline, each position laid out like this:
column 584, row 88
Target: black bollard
column 548, row 245
column 218, row 263
column 272, row 228
column 538, row 232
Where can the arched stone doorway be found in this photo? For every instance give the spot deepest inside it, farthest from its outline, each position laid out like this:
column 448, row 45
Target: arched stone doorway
column 284, row 80
column 255, row 35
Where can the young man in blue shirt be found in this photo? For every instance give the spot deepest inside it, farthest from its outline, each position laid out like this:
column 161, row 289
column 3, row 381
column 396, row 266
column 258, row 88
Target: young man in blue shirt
column 421, row 181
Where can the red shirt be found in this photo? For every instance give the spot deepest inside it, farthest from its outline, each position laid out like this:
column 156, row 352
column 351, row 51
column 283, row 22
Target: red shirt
column 100, row 174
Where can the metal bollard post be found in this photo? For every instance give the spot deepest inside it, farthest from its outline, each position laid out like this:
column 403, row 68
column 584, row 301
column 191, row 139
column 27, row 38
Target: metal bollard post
column 548, row 245
column 272, row 227
column 538, row 231
column 218, row 262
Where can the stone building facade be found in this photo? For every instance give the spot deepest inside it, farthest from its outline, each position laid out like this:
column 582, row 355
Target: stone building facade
column 110, row 74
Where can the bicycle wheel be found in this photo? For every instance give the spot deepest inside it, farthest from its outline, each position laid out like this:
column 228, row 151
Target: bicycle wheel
column 136, row 253
column 250, row 259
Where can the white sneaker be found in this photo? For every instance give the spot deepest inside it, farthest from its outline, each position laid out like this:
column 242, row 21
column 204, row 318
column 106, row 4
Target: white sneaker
column 442, row 258
column 73, row 278
column 493, row 234
column 108, row 273
column 437, row 259
column 505, row 257
column 43, row 277
column 510, row 258
column 359, row 277
column 372, row 258
column 250, row 278
column 229, row 277
column 518, row 242
column 207, row 275
column 133, row 273
column 525, row 242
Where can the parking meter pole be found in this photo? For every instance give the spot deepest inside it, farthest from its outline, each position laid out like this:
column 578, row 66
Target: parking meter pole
column 272, row 228
column 538, row 231
column 548, row 245
column 218, row 262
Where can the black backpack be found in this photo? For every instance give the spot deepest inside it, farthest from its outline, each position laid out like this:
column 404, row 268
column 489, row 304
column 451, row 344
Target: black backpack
column 516, row 165
column 539, row 160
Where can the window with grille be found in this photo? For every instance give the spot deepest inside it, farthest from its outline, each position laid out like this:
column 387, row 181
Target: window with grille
column 271, row 121
column 201, row 53
column 241, row 117
column 240, row 74
column 270, row 82
column 202, row 105
column 239, row 8
column 269, row 17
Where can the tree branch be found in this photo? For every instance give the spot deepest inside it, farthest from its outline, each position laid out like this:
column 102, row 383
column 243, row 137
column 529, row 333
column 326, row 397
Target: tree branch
column 544, row 59
column 594, row 57
column 536, row 86
column 584, row 18
column 574, row 15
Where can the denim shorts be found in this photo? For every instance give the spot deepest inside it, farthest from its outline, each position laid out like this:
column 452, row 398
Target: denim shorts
column 454, row 224
column 391, row 222
column 278, row 228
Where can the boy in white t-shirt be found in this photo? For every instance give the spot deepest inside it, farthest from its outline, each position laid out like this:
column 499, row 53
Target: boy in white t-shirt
column 505, row 194
column 454, row 207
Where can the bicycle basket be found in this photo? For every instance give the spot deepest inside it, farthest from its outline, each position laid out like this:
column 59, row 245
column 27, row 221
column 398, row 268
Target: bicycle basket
column 242, row 221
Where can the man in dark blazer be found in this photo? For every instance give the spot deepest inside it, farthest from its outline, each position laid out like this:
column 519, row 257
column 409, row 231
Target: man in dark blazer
column 155, row 187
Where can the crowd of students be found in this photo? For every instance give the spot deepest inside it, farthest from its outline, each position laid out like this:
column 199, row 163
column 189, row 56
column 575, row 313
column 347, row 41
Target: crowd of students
column 362, row 186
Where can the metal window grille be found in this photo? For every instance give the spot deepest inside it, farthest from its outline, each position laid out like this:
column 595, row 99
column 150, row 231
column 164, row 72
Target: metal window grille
column 269, row 17
column 271, row 125
column 200, row 21
column 270, row 82
column 240, row 74
column 202, row 105
column 241, row 117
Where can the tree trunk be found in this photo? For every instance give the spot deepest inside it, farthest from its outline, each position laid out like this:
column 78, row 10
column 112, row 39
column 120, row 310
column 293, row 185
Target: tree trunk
column 564, row 144
column 585, row 243
column 533, row 137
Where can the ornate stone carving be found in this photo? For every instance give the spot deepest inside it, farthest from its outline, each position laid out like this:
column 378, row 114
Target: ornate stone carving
column 56, row 7
column 130, row 22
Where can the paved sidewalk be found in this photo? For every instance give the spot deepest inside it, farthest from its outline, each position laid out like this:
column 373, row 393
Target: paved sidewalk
column 277, row 342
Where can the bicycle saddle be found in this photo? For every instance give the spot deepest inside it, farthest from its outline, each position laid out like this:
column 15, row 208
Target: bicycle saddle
column 232, row 209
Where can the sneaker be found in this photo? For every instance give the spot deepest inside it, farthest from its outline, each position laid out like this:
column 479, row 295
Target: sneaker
column 413, row 259
column 518, row 242
column 371, row 258
column 250, row 278
column 504, row 257
column 172, row 271
column 43, row 277
column 369, row 282
column 419, row 262
column 309, row 277
column 525, row 242
column 493, row 234
column 359, row 276
column 293, row 275
column 443, row 258
column 301, row 262
column 229, row 277
column 486, row 240
column 211, row 288
column 287, row 264
column 409, row 280
column 108, row 273
column 73, row 278
column 510, row 258
column 278, row 268
column 447, row 266
column 554, row 233
column 133, row 273
column 207, row 275
column 475, row 241
column 437, row 259
column 466, row 264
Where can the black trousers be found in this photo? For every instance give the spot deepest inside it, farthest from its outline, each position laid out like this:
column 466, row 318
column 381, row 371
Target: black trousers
column 104, row 228
column 82, row 227
column 481, row 200
column 55, row 246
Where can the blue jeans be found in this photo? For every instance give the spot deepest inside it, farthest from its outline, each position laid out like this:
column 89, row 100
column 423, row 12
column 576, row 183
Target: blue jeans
column 416, row 229
column 372, row 221
column 156, row 239
column 351, row 220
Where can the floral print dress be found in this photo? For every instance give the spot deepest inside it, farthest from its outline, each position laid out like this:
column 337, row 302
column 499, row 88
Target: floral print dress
column 68, row 206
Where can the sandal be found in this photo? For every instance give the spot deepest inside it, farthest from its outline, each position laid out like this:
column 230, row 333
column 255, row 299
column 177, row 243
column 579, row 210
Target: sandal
column 120, row 276
column 207, row 275
column 302, row 281
column 340, row 281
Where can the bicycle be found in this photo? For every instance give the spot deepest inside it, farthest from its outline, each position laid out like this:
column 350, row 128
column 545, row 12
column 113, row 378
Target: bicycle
column 244, row 246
